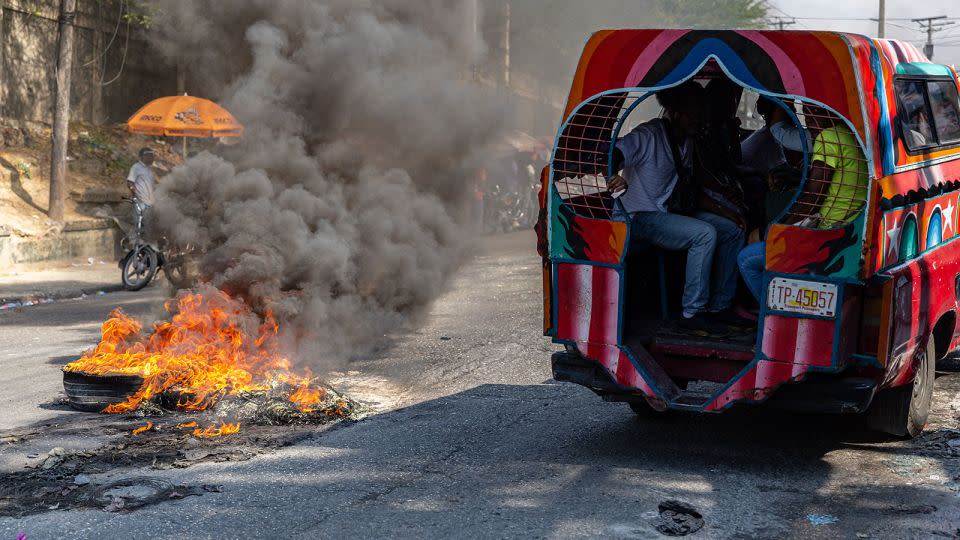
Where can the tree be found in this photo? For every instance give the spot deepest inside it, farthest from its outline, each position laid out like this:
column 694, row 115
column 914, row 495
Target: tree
column 61, row 113
column 547, row 37
column 715, row 14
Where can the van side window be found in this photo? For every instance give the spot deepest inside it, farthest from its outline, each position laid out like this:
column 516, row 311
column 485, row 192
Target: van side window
column 929, row 112
column 946, row 110
column 914, row 114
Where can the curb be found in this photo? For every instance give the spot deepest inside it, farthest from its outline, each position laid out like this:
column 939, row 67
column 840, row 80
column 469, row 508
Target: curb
column 7, row 303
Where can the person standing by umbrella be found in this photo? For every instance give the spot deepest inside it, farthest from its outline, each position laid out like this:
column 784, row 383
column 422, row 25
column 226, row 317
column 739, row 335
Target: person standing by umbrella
column 141, row 182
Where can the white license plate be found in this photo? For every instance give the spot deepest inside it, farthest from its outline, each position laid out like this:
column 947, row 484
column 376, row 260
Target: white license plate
column 798, row 296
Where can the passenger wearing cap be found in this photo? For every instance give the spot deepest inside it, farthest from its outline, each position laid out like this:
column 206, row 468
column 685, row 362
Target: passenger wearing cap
column 141, row 182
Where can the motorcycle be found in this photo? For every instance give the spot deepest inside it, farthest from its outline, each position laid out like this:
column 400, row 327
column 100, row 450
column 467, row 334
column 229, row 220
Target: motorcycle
column 142, row 259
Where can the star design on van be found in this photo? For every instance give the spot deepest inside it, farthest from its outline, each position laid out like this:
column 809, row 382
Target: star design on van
column 948, row 218
column 893, row 237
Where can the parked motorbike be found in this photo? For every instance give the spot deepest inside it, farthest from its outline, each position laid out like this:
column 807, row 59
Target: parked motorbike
column 143, row 258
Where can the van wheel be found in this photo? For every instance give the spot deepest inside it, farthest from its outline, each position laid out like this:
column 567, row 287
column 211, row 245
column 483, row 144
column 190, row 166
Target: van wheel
column 644, row 410
column 903, row 411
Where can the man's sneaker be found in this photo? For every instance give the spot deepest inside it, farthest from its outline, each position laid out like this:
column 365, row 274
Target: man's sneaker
column 729, row 317
column 700, row 325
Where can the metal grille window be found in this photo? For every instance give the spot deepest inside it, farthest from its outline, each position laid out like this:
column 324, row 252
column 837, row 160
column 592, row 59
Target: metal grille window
column 835, row 190
column 581, row 158
column 837, row 180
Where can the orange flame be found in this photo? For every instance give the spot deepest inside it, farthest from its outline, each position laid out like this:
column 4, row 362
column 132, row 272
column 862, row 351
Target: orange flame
column 141, row 429
column 215, row 431
column 213, row 346
column 187, row 425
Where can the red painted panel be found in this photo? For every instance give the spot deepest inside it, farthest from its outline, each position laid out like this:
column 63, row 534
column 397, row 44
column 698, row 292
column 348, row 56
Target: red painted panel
column 588, row 303
column 798, row 341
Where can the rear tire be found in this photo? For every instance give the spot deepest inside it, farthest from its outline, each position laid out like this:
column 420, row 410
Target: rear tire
column 178, row 273
column 644, row 410
column 139, row 267
column 903, row 411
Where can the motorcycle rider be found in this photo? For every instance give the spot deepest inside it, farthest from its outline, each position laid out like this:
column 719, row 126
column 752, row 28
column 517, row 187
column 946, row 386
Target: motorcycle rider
column 141, row 182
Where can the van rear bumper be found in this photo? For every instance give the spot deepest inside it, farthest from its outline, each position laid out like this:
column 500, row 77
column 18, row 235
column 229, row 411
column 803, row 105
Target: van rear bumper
column 817, row 392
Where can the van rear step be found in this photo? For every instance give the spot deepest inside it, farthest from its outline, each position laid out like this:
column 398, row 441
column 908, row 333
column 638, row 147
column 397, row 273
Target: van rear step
column 818, row 393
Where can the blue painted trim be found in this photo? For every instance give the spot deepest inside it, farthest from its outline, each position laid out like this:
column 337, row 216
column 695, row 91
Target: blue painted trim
column 746, row 369
column 867, row 128
column 657, row 391
column 837, row 327
column 554, row 309
column 888, row 161
column 865, row 360
column 622, row 282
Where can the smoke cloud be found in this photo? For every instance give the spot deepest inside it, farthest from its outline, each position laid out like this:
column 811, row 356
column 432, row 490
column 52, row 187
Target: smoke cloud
column 342, row 208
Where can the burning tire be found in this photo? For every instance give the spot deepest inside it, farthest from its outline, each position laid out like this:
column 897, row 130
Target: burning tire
column 93, row 393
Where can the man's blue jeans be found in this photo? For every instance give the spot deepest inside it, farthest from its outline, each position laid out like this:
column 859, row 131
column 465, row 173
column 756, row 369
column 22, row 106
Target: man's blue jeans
column 752, row 260
column 712, row 244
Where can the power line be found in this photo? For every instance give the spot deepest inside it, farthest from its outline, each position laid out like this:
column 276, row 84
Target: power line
column 782, row 22
column 931, row 25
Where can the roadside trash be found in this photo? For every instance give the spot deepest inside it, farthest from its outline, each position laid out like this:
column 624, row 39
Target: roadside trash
column 81, row 480
column 33, row 456
column 54, row 457
column 90, row 260
column 100, row 293
column 10, row 305
column 917, row 509
column 822, row 519
column 133, row 493
column 22, row 536
column 444, row 338
column 677, row 519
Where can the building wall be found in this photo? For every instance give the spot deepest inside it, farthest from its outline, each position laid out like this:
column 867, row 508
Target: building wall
column 28, row 46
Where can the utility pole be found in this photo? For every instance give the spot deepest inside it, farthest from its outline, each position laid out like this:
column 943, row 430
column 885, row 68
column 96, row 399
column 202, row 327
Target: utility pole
column 61, row 113
column 931, row 25
column 506, row 44
column 882, row 19
column 782, row 22
column 474, row 16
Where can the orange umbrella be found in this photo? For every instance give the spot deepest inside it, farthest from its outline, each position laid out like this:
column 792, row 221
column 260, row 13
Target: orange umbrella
column 184, row 116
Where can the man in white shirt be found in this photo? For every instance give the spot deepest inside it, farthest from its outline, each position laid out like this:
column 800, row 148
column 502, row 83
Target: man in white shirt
column 141, row 182
column 650, row 177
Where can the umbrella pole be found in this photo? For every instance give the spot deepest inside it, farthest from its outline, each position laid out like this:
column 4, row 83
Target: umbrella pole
column 184, row 149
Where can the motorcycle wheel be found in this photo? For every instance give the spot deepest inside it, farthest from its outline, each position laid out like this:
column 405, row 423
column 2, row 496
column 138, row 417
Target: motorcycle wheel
column 177, row 272
column 139, row 267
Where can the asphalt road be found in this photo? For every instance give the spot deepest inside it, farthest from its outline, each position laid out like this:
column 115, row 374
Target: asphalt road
column 474, row 441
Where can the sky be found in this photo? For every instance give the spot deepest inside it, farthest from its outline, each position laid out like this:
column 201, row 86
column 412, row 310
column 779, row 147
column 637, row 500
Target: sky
column 828, row 15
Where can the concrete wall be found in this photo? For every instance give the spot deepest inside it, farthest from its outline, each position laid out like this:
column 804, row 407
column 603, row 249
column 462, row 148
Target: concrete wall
column 28, row 46
column 94, row 238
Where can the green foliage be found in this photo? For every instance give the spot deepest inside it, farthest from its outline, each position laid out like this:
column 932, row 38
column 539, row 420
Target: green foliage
column 548, row 36
column 23, row 168
column 141, row 13
column 713, row 14
column 121, row 163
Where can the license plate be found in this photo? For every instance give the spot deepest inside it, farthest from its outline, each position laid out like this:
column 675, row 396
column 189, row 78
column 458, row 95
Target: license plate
column 798, row 296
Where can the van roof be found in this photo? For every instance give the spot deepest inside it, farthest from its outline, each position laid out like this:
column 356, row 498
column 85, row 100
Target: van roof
column 833, row 68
